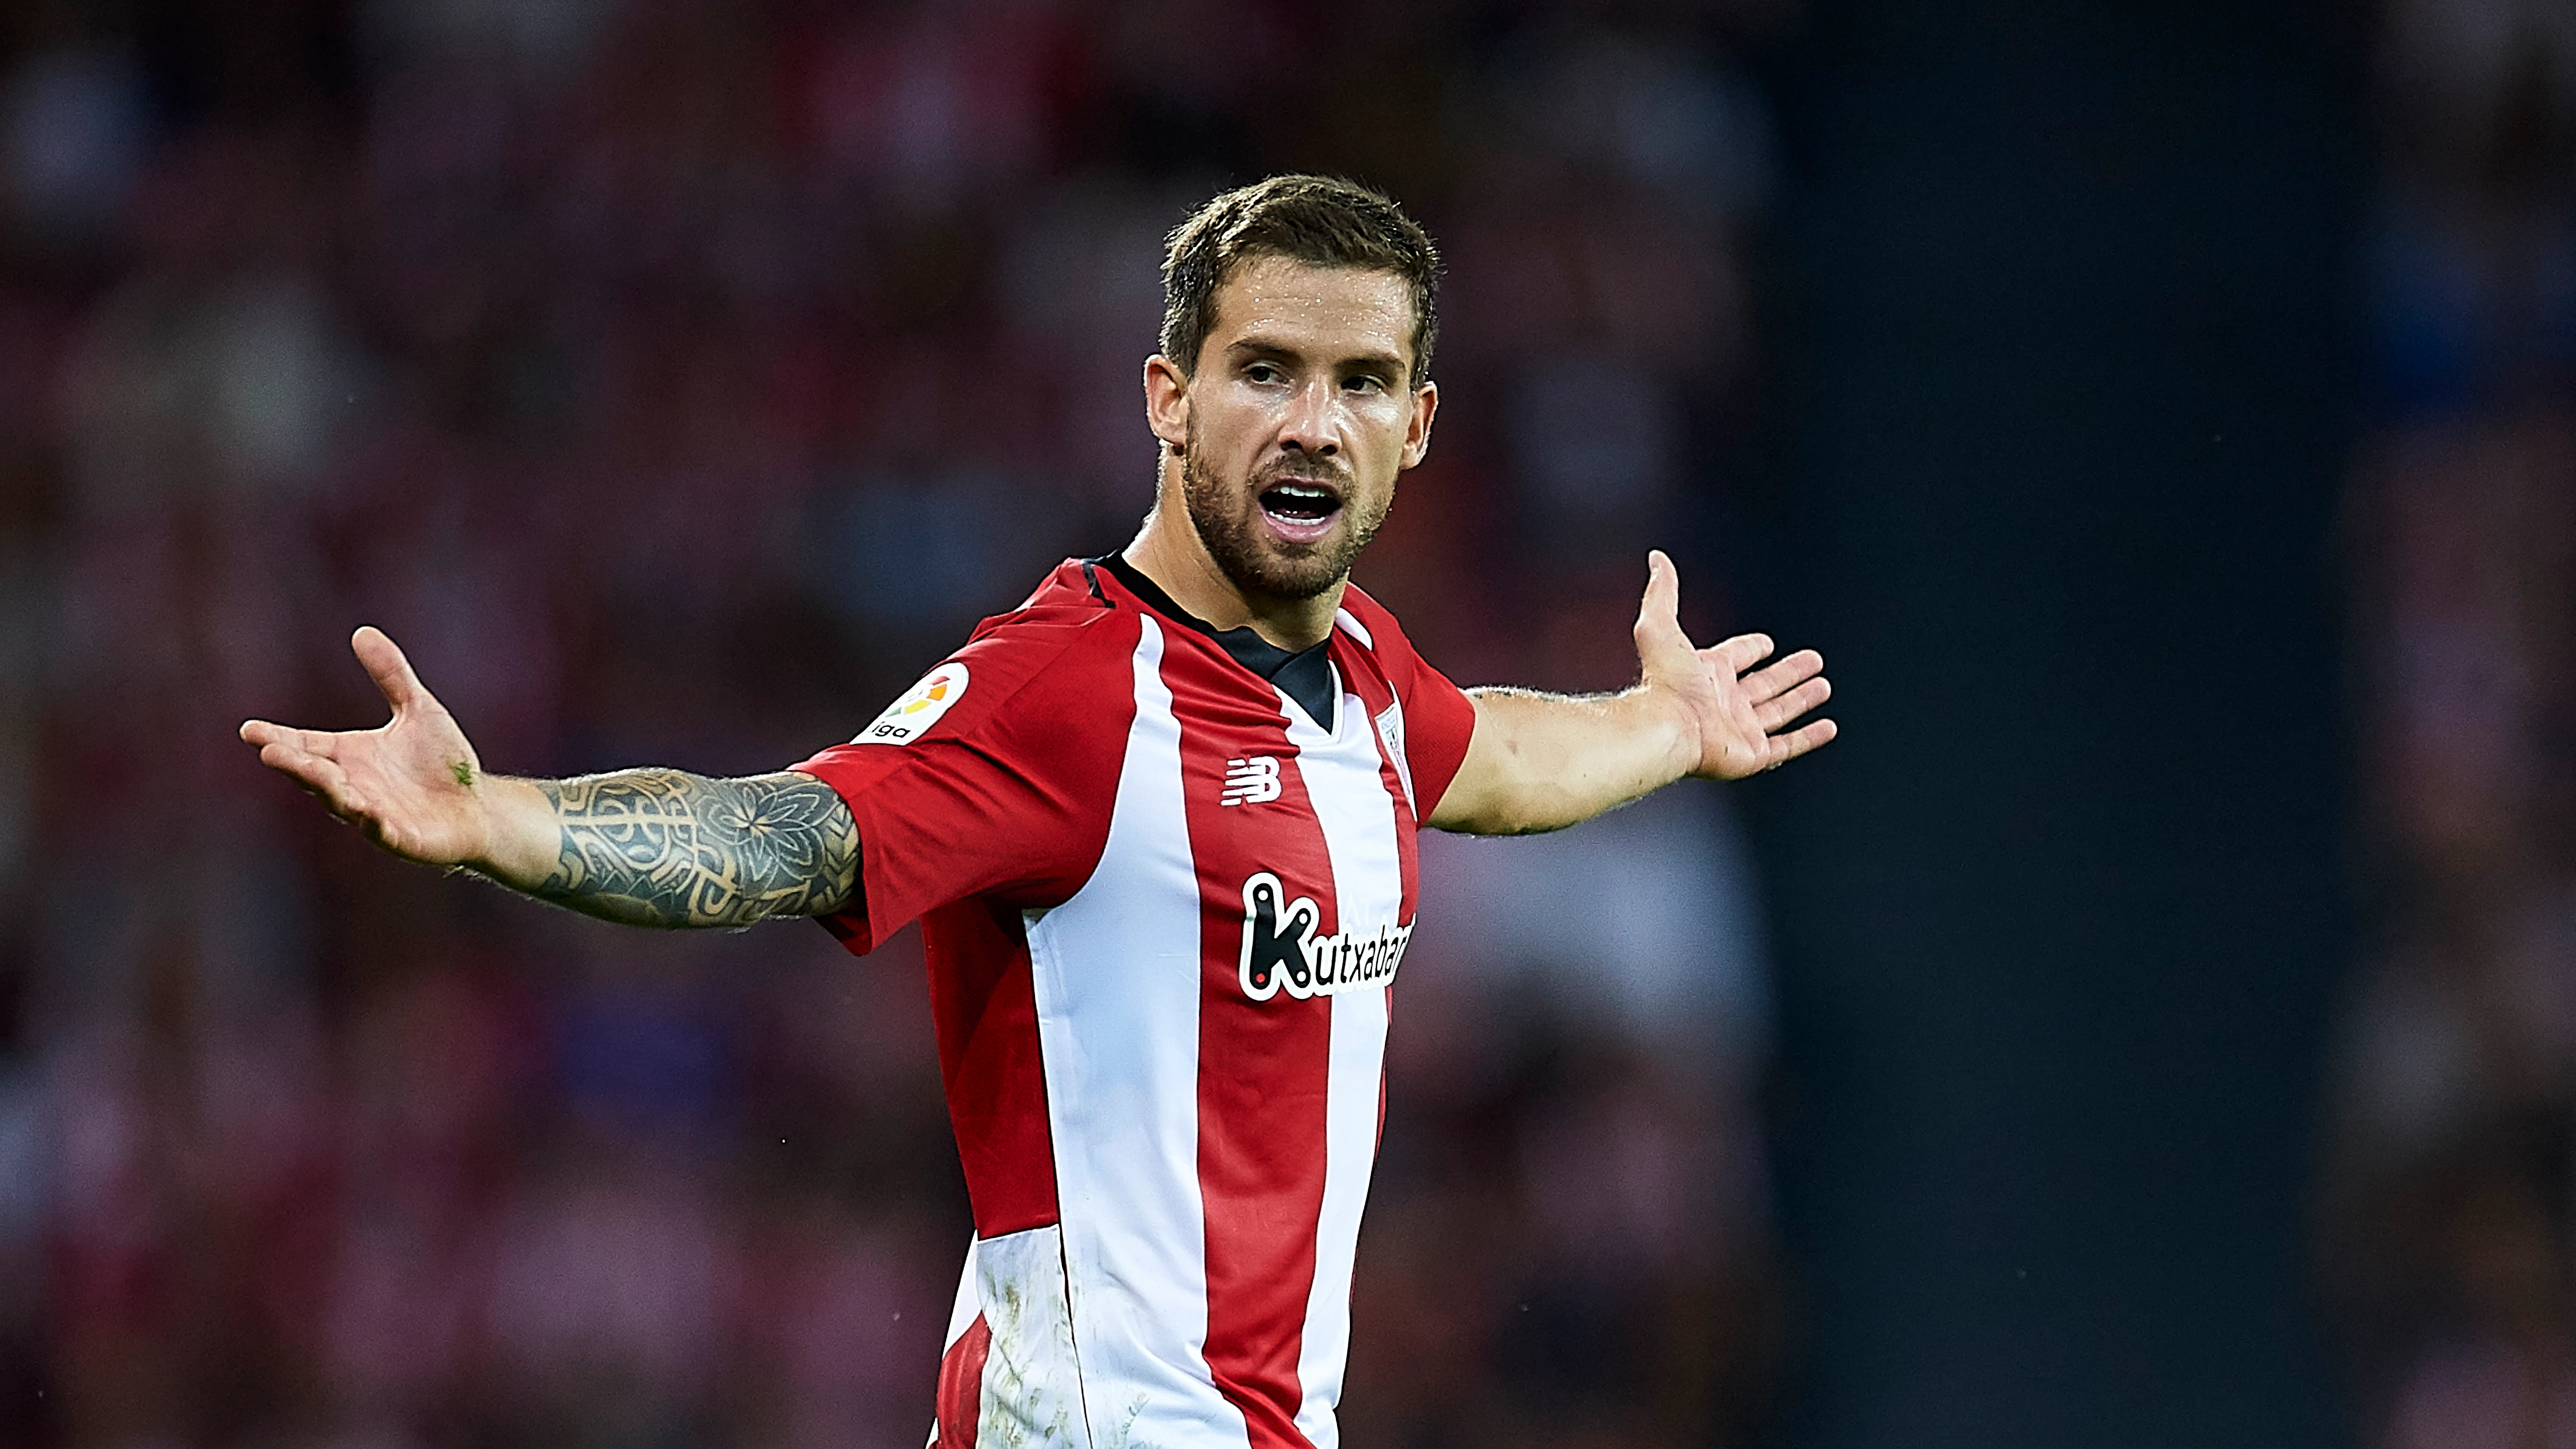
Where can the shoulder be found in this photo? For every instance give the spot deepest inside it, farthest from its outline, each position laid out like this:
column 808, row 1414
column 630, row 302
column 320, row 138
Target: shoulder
column 1371, row 625
column 1059, row 656
column 1030, row 684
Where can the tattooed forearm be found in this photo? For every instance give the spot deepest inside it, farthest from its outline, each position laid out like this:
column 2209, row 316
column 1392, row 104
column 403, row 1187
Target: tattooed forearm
column 666, row 848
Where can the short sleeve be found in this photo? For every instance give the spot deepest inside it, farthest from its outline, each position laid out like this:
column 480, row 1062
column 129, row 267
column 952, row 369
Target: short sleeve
column 1439, row 721
column 992, row 777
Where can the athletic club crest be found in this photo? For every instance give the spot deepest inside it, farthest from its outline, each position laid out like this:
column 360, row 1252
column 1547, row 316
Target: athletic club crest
column 1281, row 948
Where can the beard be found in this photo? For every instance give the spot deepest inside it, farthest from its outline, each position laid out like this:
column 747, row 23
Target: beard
column 1260, row 563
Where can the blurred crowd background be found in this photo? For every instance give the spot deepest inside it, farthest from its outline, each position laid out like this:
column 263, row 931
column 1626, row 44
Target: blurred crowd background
column 677, row 379
column 2448, row 1246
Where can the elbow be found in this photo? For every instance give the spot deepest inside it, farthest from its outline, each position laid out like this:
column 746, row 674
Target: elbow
column 1504, row 814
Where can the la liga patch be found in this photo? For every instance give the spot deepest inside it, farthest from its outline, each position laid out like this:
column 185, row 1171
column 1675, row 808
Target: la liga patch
column 908, row 718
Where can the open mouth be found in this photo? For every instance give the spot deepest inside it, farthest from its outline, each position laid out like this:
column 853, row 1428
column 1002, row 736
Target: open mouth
column 1301, row 509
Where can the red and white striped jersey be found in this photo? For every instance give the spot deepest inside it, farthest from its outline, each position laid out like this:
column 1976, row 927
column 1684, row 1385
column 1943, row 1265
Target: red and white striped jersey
column 1163, row 905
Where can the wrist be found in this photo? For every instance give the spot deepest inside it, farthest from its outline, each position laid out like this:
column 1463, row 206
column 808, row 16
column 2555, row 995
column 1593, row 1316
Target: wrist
column 1666, row 717
column 522, row 838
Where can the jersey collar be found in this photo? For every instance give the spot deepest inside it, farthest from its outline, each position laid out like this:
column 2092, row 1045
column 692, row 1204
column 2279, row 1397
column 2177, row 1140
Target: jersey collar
column 1305, row 675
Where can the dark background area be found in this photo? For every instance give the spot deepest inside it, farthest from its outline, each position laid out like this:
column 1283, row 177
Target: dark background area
column 2060, row 923
column 2153, row 1022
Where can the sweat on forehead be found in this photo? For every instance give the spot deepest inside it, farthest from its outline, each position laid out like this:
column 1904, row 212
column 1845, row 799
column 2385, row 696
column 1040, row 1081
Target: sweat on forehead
column 1318, row 220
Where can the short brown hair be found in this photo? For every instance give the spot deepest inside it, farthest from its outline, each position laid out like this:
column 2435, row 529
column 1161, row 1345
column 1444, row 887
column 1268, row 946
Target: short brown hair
column 1322, row 221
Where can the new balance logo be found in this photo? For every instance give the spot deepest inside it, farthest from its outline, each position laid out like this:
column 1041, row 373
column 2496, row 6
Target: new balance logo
column 1251, row 782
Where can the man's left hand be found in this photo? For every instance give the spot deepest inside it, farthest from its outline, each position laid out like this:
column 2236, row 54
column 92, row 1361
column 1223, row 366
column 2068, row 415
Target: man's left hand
column 1743, row 717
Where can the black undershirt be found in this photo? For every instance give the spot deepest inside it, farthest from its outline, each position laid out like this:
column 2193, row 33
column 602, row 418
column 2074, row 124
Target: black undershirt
column 1305, row 676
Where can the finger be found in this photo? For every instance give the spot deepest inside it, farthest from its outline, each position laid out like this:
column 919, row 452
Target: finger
column 261, row 733
column 321, row 776
column 386, row 665
column 1771, row 714
column 1785, row 748
column 1663, row 586
column 1663, row 650
column 1782, row 675
column 1740, row 653
column 1659, row 612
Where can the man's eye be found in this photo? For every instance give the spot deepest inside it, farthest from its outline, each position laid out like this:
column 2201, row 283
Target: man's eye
column 1366, row 383
column 1261, row 372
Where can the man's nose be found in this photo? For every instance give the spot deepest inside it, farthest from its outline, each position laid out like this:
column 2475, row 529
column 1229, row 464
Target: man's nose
column 1312, row 426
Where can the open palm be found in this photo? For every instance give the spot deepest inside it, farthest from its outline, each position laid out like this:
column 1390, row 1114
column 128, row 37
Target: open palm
column 409, row 783
column 1744, row 719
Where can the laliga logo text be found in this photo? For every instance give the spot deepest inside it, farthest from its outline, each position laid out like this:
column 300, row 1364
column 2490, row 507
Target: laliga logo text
column 1280, row 947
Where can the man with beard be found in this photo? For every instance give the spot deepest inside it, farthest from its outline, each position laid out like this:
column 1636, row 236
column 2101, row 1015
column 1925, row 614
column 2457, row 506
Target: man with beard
column 1158, row 824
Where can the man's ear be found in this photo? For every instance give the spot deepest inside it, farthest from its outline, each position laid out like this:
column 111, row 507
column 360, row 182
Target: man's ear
column 1167, row 402
column 1417, row 432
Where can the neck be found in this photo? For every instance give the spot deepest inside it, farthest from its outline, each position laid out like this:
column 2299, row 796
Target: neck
column 1169, row 551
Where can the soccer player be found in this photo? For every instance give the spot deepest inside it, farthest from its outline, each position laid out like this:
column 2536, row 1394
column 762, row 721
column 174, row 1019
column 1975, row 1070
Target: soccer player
column 1158, row 826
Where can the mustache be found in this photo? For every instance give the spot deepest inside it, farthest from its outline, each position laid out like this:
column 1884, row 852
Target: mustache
column 1332, row 475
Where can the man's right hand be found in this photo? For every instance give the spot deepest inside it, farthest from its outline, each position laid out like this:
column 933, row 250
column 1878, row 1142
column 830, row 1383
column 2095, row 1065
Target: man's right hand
column 414, row 783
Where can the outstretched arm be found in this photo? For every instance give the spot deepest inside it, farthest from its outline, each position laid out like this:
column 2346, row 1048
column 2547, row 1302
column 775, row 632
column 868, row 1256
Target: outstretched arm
column 667, row 848
column 649, row 847
column 1544, row 761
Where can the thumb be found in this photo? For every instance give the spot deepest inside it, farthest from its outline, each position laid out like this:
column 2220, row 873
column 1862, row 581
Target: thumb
column 1659, row 625
column 385, row 664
